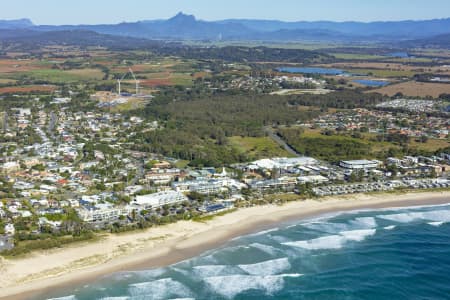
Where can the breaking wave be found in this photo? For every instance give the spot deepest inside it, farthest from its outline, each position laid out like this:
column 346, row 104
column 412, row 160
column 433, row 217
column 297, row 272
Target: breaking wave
column 333, row 241
column 215, row 270
column 390, row 227
column 269, row 267
column 407, row 217
column 230, row 286
column 159, row 289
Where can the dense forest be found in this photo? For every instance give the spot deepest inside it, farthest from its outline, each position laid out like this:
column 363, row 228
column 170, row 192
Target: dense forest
column 197, row 124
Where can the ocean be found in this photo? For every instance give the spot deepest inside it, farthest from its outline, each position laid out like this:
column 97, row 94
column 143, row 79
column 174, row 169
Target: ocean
column 399, row 253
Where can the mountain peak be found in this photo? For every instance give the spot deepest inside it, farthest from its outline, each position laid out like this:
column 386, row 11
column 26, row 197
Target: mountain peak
column 182, row 17
column 19, row 23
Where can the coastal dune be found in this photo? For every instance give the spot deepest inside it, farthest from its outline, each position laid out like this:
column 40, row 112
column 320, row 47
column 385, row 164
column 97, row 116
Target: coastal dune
column 44, row 271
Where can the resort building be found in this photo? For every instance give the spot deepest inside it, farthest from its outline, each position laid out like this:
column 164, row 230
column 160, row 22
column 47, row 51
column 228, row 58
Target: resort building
column 159, row 199
column 101, row 213
column 209, row 186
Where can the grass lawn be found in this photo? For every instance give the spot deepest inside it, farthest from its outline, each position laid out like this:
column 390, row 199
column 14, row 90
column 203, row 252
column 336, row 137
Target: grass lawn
column 181, row 164
column 132, row 104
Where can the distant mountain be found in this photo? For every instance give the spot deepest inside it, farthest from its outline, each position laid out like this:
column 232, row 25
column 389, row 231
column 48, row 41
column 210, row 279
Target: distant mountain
column 187, row 27
column 403, row 29
column 439, row 41
column 26, row 39
column 180, row 27
column 13, row 24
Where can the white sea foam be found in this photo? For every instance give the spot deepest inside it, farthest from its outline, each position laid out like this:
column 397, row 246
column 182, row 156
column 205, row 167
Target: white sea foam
column 333, row 241
column 278, row 239
column 116, row 298
column 159, row 289
column 358, row 235
column 436, row 224
column 265, row 231
column 215, row 270
column 390, row 227
column 364, row 222
column 407, row 217
column 70, row 297
column 265, row 248
column 230, row 286
column 327, row 227
column 144, row 274
column 269, row 267
column 325, row 242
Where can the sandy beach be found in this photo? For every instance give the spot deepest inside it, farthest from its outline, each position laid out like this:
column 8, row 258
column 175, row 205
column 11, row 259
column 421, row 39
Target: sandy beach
column 52, row 270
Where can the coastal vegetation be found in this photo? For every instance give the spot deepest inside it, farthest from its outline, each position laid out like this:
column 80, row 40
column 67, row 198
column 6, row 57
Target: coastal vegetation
column 334, row 146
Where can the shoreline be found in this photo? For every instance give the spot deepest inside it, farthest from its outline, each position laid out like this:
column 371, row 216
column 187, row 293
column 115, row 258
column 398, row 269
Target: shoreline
column 53, row 271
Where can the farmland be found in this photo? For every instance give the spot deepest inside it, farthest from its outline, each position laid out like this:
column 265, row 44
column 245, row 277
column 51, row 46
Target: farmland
column 27, row 89
column 415, row 89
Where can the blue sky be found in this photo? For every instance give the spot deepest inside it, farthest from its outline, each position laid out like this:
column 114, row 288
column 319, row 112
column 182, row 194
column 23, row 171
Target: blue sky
column 114, row 11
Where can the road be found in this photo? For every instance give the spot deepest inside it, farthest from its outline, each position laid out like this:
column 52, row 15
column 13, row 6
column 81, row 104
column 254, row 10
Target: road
column 271, row 133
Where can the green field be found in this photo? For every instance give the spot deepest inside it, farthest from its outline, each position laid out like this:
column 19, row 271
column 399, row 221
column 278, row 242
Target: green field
column 258, row 147
column 383, row 73
column 355, row 56
column 7, row 81
column 181, row 79
column 62, row 76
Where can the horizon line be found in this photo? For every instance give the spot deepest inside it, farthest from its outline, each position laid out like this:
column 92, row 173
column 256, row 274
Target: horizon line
column 221, row 20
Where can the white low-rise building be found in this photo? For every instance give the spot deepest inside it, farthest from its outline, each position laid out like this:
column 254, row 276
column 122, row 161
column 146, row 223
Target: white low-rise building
column 101, row 213
column 45, row 221
column 208, row 186
column 317, row 179
column 362, row 164
column 283, row 163
column 10, row 229
column 159, row 199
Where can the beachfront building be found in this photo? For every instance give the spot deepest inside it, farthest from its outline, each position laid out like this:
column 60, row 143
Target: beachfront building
column 362, row 164
column 158, row 199
column 282, row 184
column 101, row 213
column 209, row 186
